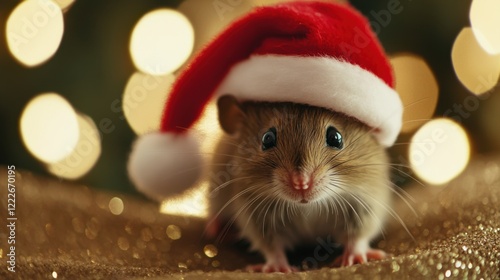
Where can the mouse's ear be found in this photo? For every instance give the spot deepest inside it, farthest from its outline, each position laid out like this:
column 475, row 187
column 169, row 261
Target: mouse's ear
column 230, row 113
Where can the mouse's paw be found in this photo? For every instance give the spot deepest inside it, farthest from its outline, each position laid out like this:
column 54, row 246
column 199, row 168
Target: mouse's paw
column 272, row 267
column 352, row 257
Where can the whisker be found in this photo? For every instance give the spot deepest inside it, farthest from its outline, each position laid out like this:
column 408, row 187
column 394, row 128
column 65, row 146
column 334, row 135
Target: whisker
column 221, row 186
column 416, row 102
column 247, row 205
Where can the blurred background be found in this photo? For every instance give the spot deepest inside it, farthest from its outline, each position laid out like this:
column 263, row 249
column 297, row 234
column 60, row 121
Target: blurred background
column 80, row 79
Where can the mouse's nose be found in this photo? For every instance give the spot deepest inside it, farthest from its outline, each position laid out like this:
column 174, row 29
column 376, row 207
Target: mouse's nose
column 300, row 181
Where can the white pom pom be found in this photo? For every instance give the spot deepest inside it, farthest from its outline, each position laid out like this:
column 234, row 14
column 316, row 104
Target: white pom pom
column 164, row 164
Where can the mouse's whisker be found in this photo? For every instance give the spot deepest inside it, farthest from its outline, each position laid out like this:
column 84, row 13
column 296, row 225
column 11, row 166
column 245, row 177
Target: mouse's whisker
column 369, row 209
column 257, row 207
column 336, row 203
column 409, row 142
column 409, row 176
column 417, row 101
column 279, row 210
column 236, row 196
column 417, row 120
column 251, row 203
column 391, row 212
column 272, row 207
column 318, row 208
column 367, row 165
column 271, row 202
column 403, row 195
column 247, row 205
column 225, row 184
column 227, row 155
column 349, row 204
column 363, row 157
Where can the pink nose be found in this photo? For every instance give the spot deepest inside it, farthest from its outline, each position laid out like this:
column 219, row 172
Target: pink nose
column 300, row 181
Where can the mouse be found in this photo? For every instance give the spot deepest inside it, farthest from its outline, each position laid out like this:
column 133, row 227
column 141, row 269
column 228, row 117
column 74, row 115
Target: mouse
column 285, row 173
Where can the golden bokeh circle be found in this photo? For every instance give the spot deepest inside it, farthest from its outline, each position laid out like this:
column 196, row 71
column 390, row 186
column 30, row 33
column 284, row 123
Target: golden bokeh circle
column 418, row 89
column 161, row 41
column 476, row 69
column 85, row 154
column 485, row 20
column 439, row 151
column 144, row 100
column 49, row 127
column 34, row 31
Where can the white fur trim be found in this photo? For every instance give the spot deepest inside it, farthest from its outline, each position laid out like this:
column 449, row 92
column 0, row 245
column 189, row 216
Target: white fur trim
column 322, row 82
column 163, row 164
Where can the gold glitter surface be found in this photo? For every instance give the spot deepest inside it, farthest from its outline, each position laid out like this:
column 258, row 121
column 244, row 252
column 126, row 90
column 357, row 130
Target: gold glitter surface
column 65, row 231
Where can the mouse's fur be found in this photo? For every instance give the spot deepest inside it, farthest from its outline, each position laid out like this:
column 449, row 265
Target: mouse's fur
column 350, row 198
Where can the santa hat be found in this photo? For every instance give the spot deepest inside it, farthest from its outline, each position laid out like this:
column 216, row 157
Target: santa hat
column 316, row 53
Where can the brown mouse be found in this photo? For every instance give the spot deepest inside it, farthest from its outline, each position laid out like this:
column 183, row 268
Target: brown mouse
column 286, row 173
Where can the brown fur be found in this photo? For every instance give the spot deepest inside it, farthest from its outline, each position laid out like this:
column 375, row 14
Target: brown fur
column 351, row 196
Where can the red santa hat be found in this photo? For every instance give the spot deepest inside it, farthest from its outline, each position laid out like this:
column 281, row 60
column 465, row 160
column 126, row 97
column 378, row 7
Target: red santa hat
column 316, row 53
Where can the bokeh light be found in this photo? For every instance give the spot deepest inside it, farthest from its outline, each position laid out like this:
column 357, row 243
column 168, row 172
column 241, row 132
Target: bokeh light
column 144, row 100
column 34, row 31
column 439, row 151
column 210, row 250
column 49, row 127
column 210, row 17
column 208, row 129
column 417, row 88
column 161, row 42
column 476, row 69
column 116, row 206
column 194, row 203
column 84, row 155
column 485, row 21
column 173, row 232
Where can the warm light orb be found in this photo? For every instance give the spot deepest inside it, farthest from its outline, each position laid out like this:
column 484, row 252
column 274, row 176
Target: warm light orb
column 417, row 88
column 34, row 31
column 439, row 151
column 485, row 21
column 144, row 100
column 116, row 206
column 84, row 155
column 476, row 69
column 208, row 129
column 49, row 127
column 194, row 203
column 161, row 42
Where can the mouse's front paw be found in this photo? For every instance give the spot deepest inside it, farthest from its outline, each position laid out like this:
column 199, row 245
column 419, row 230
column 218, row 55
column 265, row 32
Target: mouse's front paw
column 350, row 257
column 272, row 267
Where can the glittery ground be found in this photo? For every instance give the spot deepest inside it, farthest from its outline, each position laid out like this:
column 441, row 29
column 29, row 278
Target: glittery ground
column 69, row 231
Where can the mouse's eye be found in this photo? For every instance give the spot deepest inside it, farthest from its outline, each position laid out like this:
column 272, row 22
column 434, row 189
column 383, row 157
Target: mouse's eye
column 269, row 139
column 334, row 138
